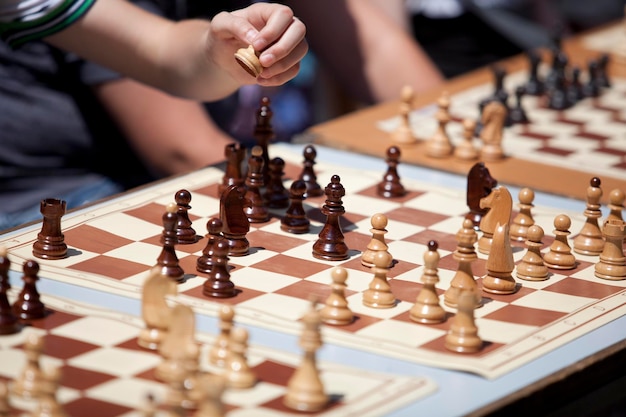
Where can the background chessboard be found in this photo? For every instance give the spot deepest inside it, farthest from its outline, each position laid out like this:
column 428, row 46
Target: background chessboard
column 113, row 245
column 588, row 137
column 106, row 374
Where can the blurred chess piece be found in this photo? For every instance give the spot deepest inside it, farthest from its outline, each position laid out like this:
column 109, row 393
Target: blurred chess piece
column 439, row 145
column 493, row 119
column 403, row 134
column 465, row 150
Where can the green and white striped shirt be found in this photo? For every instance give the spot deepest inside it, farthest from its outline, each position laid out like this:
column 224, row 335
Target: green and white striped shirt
column 26, row 20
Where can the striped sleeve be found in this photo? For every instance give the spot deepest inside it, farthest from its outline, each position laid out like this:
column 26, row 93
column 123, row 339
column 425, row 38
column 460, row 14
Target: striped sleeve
column 22, row 21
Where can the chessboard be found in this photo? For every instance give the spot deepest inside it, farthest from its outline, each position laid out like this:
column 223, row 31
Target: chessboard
column 608, row 39
column 587, row 138
column 105, row 373
column 113, row 245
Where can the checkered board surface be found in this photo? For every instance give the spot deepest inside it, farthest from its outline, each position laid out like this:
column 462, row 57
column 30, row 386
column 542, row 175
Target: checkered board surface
column 610, row 40
column 104, row 372
column 113, row 245
column 588, row 137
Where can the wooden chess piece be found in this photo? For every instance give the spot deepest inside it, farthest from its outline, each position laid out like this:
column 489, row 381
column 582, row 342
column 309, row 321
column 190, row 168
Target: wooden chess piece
column 377, row 243
column 167, row 259
column 235, row 224
column 8, row 319
column 524, row 218
column 214, row 234
column 238, row 374
column 612, row 264
column 248, row 59
column 218, row 283
column 465, row 150
column 211, row 389
column 378, row 294
column 255, row 210
column 531, row 267
column 50, row 243
column 295, row 219
column 534, row 86
column 463, row 334
column 500, row 205
column 330, row 244
column 185, row 233
column 465, row 255
column 48, row 404
column 439, row 145
column 313, row 189
column 493, row 118
column 180, row 353
column 305, row 390
column 336, row 310
column 391, row 186
column 235, row 154
column 427, row 308
column 479, row 185
column 218, row 355
column 500, row 264
column 264, row 134
column 276, row 195
column 616, row 204
column 403, row 134
column 560, row 255
column 28, row 305
column 589, row 241
column 517, row 114
column 31, row 383
column 155, row 311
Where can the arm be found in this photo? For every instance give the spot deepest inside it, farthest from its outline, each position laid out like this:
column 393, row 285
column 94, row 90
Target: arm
column 365, row 49
column 192, row 58
column 171, row 134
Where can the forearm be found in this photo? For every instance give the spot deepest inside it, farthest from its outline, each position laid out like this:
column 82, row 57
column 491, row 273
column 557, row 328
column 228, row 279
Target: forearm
column 170, row 134
column 172, row 58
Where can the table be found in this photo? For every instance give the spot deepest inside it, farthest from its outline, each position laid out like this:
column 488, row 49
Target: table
column 548, row 382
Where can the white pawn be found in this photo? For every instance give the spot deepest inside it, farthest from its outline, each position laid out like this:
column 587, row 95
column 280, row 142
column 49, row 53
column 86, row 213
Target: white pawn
column 465, row 150
column 238, row 374
column 219, row 351
column 210, row 397
column 32, row 381
column 463, row 334
column 531, row 267
column 379, row 294
column 616, row 204
column 48, row 404
column 377, row 244
column 427, row 308
column 560, row 255
column 524, row 218
column 336, row 311
column 439, row 145
column 403, row 134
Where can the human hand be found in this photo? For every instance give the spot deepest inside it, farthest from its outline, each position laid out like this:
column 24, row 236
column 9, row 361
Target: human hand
column 271, row 29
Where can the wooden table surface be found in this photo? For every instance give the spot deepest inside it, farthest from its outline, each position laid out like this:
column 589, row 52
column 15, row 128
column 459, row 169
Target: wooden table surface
column 358, row 132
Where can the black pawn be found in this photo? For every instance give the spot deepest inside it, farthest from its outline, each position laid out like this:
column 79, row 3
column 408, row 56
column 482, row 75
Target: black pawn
column 276, row 195
column 575, row 88
column 256, row 211
column 185, row 233
column 499, row 92
column 295, row 219
column 214, row 230
column 534, row 85
column 557, row 91
column 218, row 284
column 313, row 189
column 391, row 186
column 235, row 154
column 28, row 305
column 264, row 133
column 168, row 260
column 518, row 114
column 8, row 319
column 603, row 77
column 330, row 244
column 592, row 87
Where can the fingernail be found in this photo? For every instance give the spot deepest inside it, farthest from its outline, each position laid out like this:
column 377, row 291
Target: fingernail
column 251, row 36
